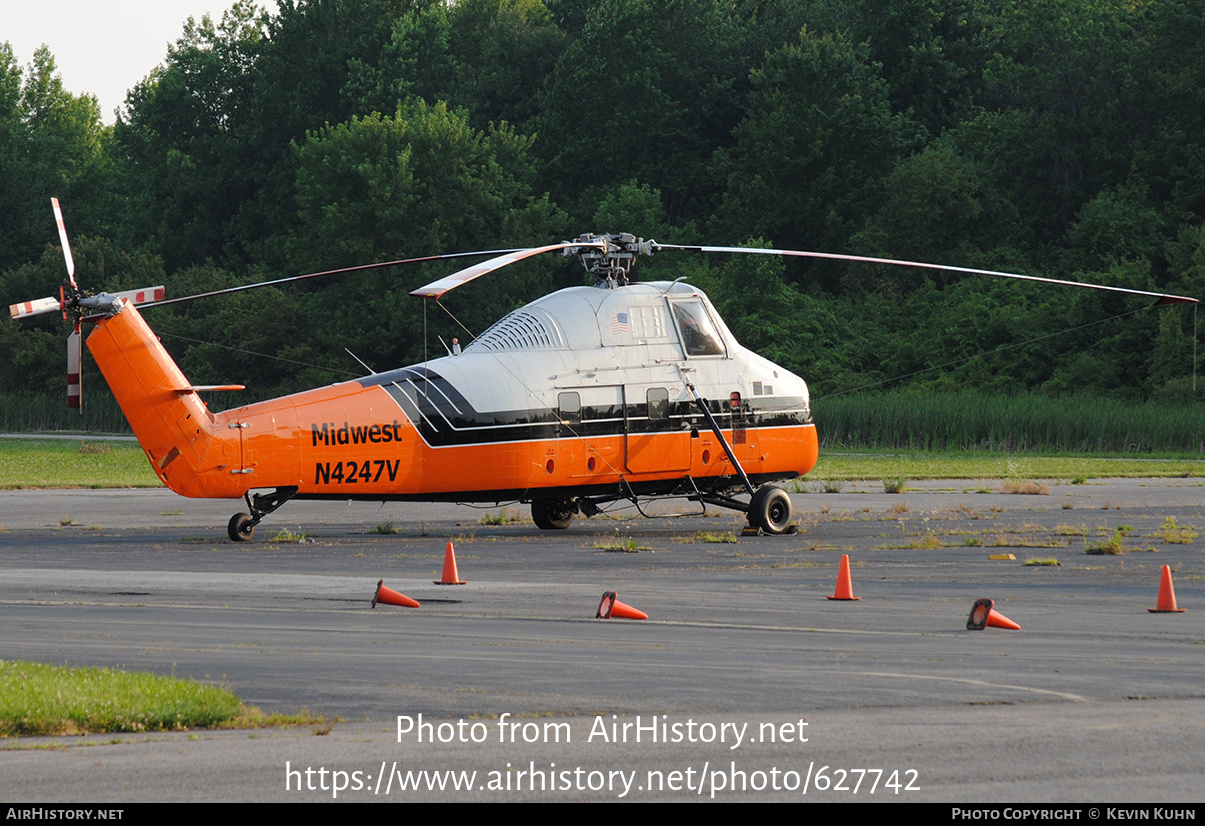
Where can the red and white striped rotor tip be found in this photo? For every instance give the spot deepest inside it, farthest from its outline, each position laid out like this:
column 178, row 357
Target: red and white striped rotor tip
column 35, row 307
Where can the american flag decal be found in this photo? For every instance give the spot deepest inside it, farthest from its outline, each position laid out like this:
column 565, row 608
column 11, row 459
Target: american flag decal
column 619, row 324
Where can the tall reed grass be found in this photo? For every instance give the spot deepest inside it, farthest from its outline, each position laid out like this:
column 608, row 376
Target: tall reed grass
column 970, row 420
column 26, row 412
column 966, row 420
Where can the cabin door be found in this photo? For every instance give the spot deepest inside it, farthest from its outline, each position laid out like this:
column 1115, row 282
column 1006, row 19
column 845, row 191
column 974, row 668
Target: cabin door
column 652, row 444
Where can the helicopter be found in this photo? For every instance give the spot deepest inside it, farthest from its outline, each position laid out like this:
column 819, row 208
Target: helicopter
column 589, row 396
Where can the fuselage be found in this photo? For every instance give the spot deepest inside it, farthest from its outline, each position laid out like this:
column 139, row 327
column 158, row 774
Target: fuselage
column 581, row 392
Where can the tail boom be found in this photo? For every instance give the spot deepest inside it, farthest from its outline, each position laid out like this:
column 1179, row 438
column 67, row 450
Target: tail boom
column 175, row 428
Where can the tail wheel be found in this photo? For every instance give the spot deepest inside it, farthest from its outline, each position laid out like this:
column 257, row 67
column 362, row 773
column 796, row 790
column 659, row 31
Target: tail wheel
column 770, row 509
column 241, row 527
column 553, row 514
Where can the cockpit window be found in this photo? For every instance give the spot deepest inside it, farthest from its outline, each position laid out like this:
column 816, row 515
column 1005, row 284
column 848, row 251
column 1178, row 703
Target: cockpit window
column 699, row 336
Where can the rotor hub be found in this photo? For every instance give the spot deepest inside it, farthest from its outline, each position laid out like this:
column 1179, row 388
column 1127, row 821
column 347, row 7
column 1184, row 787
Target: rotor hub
column 611, row 263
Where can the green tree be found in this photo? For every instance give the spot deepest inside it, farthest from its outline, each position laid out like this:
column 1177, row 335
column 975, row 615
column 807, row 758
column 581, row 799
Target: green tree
column 186, row 136
column 932, row 52
column 1064, row 88
column 420, row 181
column 52, row 143
column 819, row 137
column 1168, row 117
column 646, row 91
column 930, row 209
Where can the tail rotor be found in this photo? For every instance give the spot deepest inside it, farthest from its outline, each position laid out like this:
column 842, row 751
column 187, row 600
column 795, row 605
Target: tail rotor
column 76, row 306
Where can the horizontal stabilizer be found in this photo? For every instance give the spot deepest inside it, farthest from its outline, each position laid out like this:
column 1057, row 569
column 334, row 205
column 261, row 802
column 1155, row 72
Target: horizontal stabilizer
column 200, row 388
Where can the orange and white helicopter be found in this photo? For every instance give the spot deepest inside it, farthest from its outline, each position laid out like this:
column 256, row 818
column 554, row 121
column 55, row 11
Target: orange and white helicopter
column 583, row 398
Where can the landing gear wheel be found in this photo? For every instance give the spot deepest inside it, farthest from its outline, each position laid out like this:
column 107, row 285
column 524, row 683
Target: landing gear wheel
column 241, row 527
column 553, row 514
column 770, row 509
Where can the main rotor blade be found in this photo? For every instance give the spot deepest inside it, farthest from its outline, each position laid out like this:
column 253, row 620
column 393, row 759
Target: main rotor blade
column 58, row 219
column 1163, row 297
column 341, row 271
column 436, row 289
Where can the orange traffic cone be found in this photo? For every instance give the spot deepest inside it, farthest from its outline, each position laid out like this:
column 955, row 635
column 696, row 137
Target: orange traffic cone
column 451, row 576
column 1167, row 595
column 845, row 585
column 612, row 607
column 391, row 597
column 982, row 616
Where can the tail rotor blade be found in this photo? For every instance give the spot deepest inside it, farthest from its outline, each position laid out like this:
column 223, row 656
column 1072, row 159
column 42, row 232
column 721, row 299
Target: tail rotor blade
column 58, row 219
column 35, row 307
column 74, row 359
column 143, row 295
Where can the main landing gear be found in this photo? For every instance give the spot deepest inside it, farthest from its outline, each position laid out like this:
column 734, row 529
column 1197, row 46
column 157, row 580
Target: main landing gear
column 770, row 509
column 769, row 506
column 553, row 514
column 242, row 525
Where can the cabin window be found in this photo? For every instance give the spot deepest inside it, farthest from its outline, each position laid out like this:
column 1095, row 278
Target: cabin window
column 699, row 336
column 570, row 405
column 658, row 402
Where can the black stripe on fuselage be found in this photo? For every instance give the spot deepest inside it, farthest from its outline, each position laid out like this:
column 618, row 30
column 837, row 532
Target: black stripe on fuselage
column 445, row 418
column 679, row 486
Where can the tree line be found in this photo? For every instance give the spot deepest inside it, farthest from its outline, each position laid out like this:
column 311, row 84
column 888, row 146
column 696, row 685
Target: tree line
column 1060, row 138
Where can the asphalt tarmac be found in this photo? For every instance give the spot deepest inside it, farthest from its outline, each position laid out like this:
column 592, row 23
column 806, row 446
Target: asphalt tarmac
column 745, row 683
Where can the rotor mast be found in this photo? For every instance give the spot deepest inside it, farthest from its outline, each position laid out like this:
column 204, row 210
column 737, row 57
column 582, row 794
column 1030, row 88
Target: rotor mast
column 610, row 258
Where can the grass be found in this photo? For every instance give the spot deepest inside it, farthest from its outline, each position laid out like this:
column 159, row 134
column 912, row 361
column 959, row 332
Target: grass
column 1026, row 486
column 1035, row 561
column 39, row 699
column 928, row 542
column 1174, row 534
column 286, row 537
column 1112, row 546
column 1071, row 530
column 715, row 538
column 620, row 545
column 60, row 463
column 385, row 528
column 894, row 484
column 502, row 517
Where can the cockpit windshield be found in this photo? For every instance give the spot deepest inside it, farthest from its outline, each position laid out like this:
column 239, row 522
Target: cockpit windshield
column 699, row 336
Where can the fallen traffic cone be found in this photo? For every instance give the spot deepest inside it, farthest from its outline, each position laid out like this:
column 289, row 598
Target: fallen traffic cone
column 451, row 576
column 391, row 597
column 612, row 607
column 982, row 616
column 1167, row 595
column 845, row 585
